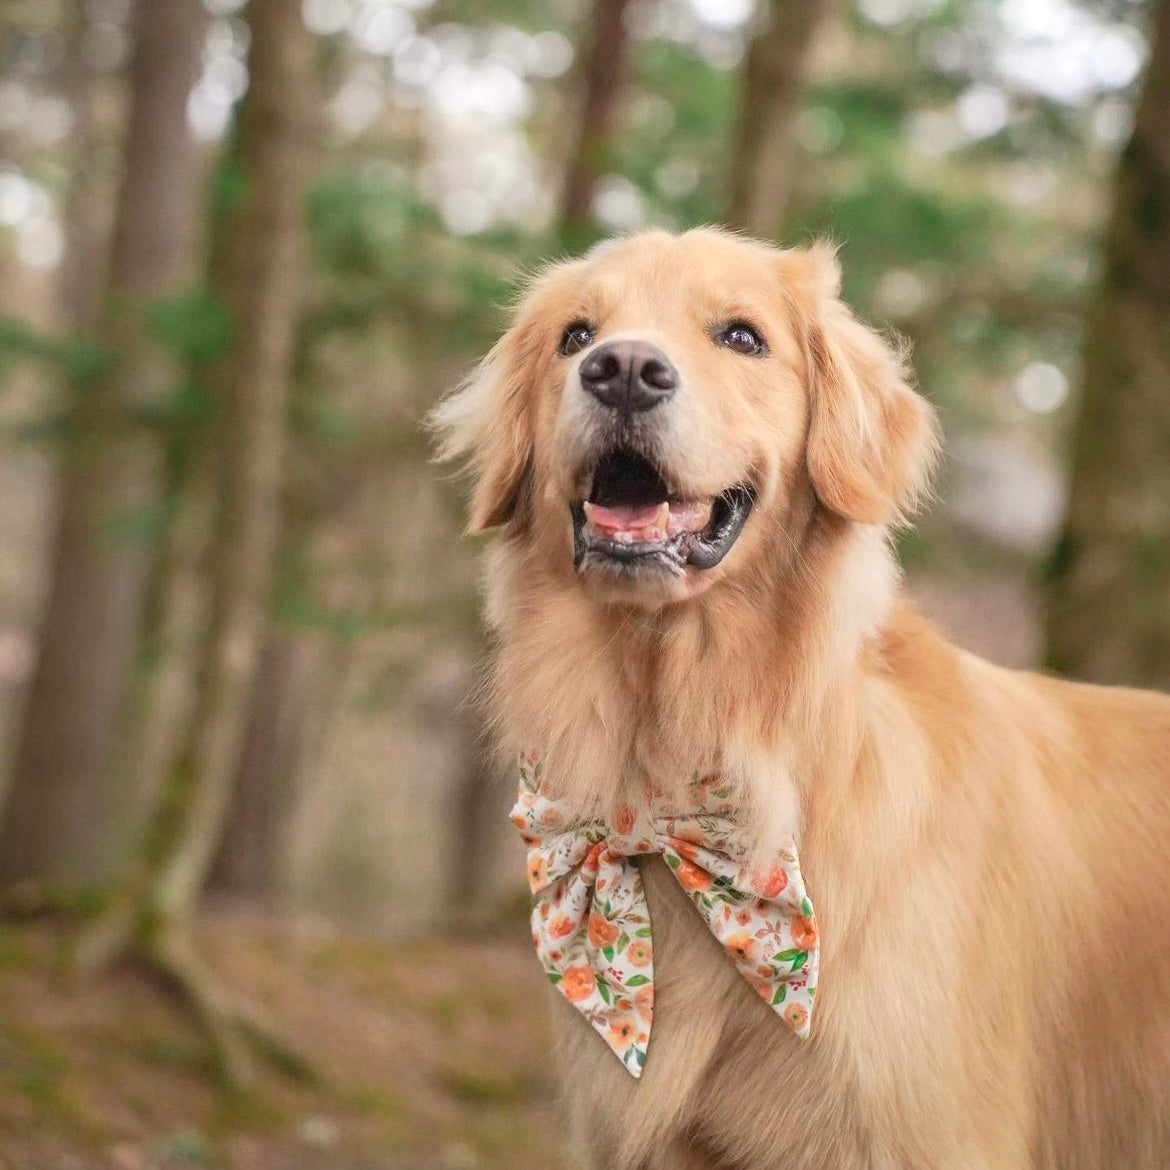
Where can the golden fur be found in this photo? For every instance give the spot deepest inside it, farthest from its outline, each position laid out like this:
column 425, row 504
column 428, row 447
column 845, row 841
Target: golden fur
column 988, row 851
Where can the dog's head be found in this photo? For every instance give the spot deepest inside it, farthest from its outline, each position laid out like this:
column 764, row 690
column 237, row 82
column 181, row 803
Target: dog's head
column 662, row 409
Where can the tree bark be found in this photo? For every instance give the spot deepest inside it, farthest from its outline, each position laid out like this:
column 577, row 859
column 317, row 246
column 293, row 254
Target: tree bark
column 1109, row 586
column 602, row 78
column 84, row 258
column 259, row 281
column 295, row 671
column 66, row 813
column 761, row 180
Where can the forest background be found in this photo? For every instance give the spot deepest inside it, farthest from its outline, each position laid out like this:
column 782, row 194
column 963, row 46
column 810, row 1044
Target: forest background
column 259, row 901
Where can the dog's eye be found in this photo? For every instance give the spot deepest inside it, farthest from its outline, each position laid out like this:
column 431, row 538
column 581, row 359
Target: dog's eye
column 740, row 337
column 575, row 338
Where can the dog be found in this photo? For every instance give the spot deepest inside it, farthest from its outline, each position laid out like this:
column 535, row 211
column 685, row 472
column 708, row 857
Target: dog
column 694, row 455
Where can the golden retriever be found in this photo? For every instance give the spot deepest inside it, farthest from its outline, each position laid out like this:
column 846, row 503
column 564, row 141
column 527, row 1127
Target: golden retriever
column 694, row 452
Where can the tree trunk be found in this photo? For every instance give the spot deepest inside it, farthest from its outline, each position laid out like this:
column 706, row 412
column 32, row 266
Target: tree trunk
column 762, row 162
column 295, row 672
column 84, row 257
column 66, row 812
column 1109, row 617
column 259, row 281
column 602, row 77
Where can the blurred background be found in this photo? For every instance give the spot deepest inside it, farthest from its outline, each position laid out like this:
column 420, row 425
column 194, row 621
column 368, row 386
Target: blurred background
column 259, row 904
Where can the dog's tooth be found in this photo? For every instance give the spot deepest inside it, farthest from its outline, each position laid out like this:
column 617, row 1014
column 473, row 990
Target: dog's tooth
column 623, row 537
column 663, row 518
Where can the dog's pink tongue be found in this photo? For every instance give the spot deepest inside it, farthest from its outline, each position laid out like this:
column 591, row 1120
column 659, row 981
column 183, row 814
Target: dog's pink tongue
column 623, row 517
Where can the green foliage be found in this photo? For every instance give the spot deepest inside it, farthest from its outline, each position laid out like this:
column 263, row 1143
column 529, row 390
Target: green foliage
column 195, row 326
column 675, row 148
column 79, row 359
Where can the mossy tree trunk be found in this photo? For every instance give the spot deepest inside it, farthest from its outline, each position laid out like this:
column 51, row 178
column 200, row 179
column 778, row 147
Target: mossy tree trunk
column 1109, row 585
column 66, row 815
column 761, row 176
column 602, row 77
column 257, row 279
column 298, row 674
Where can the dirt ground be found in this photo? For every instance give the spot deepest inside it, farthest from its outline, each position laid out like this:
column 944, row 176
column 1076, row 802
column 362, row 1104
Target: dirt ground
column 429, row 1054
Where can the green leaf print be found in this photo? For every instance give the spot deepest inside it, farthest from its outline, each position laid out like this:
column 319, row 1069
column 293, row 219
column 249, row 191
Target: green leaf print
column 608, row 953
column 788, row 955
column 553, row 977
column 806, row 907
column 671, row 860
column 644, row 932
column 603, row 988
column 637, row 981
column 781, row 992
column 623, row 941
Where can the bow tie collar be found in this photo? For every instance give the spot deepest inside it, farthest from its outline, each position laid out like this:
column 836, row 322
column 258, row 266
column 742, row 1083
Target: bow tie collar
column 591, row 921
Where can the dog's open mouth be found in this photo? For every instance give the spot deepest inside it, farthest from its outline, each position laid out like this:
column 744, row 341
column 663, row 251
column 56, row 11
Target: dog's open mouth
column 631, row 516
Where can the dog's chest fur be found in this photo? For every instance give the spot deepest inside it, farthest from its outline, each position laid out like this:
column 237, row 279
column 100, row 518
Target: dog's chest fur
column 727, row 1085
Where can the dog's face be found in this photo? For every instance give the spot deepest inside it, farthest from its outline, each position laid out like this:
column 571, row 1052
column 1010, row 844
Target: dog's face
column 659, row 409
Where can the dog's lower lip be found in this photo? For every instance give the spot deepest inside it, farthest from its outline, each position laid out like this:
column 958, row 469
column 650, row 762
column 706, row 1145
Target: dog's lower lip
column 699, row 549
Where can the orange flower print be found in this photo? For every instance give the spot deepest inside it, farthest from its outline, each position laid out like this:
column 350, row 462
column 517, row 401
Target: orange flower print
column 796, row 1016
column 764, row 988
column 622, row 1031
column 638, row 953
column 551, row 818
column 601, row 931
column 561, row 926
column 691, row 877
column 742, row 946
column 771, row 884
column 537, row 872
column 743, row 917
column 644, row 1003
column 624, row 818
column 518, row 821
column 804, row 932
column 578, row 983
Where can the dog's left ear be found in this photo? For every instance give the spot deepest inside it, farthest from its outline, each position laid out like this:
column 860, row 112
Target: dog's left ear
column 873, row 440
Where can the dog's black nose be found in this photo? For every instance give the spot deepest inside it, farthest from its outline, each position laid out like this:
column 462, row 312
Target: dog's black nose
column 629, row 375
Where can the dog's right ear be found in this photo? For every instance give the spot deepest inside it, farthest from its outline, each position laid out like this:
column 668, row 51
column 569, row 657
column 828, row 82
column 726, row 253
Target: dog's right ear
column 486, row 424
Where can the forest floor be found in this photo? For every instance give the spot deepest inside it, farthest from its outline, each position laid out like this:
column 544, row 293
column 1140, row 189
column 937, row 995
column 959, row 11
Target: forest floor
column 430, row 1056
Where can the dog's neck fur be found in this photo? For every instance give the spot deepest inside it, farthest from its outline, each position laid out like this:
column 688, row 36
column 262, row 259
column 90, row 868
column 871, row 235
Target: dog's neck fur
column 619, row 700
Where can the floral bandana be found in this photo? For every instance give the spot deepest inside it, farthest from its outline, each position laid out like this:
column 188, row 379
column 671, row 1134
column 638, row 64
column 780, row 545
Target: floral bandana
column 591, row 923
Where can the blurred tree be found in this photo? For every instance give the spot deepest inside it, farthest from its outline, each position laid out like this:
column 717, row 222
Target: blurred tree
column 603, row 73
column 1109, row 588
column 295, row 670
column 65, row 817
column 761, row 180
column 83, row 260
column 259, row 281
